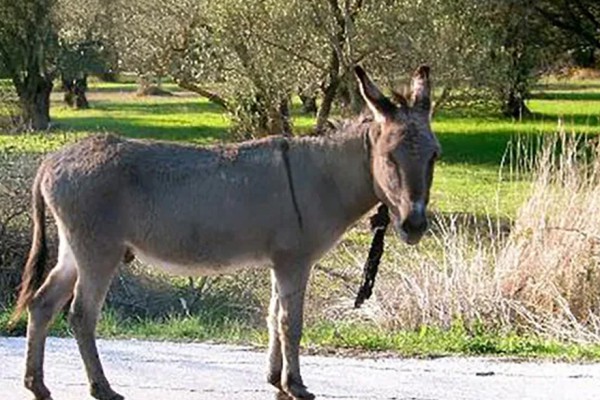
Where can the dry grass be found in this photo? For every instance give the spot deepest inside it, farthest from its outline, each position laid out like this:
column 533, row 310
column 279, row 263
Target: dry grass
column 584, row 73
column 549, row 268
column 542, row 277
column 141, row 292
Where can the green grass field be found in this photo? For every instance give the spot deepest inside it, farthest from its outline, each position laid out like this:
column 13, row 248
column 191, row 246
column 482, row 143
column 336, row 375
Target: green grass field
column 474, row 142
column 474, row 177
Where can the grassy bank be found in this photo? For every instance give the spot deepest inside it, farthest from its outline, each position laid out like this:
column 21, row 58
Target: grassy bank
column 336, row 338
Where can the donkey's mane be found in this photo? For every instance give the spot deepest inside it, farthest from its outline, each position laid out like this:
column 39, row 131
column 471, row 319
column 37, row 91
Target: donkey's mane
column 336, row 130
column 349, row 126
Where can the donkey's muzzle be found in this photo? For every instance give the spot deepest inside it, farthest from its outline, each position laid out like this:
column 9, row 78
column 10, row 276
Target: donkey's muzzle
column 414, row 226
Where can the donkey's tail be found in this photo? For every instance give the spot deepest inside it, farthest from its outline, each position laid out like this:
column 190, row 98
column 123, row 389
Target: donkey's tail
column 33, row 273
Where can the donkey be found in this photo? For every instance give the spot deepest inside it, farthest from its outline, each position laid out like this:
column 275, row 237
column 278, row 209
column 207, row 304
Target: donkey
column 274, row 202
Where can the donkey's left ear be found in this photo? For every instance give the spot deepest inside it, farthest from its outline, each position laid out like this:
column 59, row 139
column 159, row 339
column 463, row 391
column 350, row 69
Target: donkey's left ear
column 382, row 108
column 421, row 88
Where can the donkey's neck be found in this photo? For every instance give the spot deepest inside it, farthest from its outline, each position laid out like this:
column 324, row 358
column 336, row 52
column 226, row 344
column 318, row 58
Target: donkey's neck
column 344, row 160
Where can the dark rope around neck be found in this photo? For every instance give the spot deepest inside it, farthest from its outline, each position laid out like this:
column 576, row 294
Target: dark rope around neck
column 379, row 223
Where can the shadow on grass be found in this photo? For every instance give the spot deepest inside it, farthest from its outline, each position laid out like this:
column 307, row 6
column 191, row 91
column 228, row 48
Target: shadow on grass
column 488, row 140
column 581, row 122
column 487, row 148
column 159, row 106
column 203, row 134
column 476, row 148
column 570, row 96
column 142, row 304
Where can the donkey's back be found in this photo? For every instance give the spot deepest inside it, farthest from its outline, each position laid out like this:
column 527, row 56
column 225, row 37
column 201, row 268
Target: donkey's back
column 175, row 205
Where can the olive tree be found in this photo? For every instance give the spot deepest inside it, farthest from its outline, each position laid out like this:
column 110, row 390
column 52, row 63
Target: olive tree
column 575, row 26
column 28, row 51
column 250, row 57
column 219, row 50
column 85, row 29
column 577, row 17
column 523, row 45
column 390, row 38
column 41, row 40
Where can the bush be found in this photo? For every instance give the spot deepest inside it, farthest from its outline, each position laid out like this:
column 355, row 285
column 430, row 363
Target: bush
column 10, row 113
column 16, row 175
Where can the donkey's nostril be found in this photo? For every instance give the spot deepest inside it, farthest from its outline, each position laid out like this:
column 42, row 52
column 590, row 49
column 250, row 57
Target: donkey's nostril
column 415, row 223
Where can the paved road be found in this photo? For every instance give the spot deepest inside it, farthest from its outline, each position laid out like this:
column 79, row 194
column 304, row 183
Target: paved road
column 182, row 371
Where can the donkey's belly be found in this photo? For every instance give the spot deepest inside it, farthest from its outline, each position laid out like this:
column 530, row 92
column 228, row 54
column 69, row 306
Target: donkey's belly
column 197, row 267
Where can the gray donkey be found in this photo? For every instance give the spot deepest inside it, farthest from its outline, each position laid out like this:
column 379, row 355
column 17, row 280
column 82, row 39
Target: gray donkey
column 274, row 202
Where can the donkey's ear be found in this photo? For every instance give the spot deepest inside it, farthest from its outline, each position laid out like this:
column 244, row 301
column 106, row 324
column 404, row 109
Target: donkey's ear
column 380, row 105
column 420, row 87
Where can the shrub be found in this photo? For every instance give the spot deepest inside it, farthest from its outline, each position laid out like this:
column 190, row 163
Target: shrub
column 16, row 174
column 10, row 114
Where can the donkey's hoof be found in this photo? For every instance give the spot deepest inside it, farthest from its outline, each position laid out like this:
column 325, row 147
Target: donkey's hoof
column 282, row 396
column 49, row 397
column 274, row 378
column 298, row 391
column 44, row 395
column 103, row 392
column 39, row 390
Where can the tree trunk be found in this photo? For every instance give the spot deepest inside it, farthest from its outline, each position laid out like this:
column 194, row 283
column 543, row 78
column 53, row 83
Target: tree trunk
column 309, row 104
column 357, row 104
column 69, row 96
column 518, row 81
column 81, row 101
column 349, row 96
column 514, row 106
column 211, row 96
column 326, row 105
column 34, row 97
column 284, row 116
column 75, row 92
column 329, row 93
column 150, row 85
column 260, row 112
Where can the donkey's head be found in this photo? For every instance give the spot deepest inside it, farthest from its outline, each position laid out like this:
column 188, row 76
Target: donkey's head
column 403, row 152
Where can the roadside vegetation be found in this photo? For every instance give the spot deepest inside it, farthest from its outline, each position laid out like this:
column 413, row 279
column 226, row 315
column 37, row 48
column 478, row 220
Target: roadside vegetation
column 510, row 267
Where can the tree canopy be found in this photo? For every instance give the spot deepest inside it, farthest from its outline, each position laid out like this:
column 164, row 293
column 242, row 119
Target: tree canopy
column 251, row 58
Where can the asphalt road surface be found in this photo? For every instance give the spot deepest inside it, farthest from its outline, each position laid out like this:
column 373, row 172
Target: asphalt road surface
column 191, row 371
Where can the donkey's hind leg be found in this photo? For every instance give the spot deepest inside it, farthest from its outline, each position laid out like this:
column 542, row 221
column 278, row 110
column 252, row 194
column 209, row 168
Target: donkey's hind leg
column 47, row 301
column 96, row 267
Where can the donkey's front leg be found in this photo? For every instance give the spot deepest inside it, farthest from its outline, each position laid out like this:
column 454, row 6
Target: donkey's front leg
column 275, row 363
column 291, row 282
